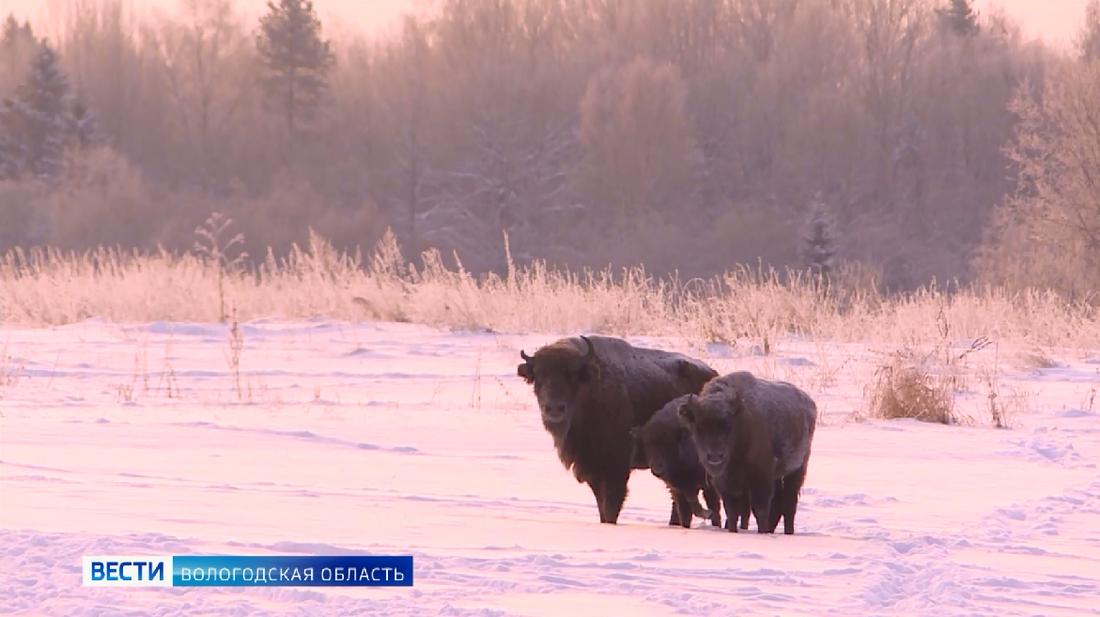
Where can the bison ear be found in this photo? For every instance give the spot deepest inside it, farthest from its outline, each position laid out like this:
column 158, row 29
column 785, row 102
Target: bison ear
column 686, row 411
column 525, row 371
column 683, row 369
column 737, row 406
column 590, row 371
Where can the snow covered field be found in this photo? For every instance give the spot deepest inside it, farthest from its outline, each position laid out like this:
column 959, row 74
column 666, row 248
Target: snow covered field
column 397, row 438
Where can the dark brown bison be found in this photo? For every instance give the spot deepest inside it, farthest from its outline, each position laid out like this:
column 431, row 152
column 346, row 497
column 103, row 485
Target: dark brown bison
column 665, row 446
column 591, row 391
column 753, row 437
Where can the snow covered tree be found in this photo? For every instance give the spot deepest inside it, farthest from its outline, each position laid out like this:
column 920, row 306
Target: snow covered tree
column 960, row 17
column 42, row 119
column 819, row 244
column 18, row 46
column 635, row 140
column 41, row 106
column 295, row 59
column 13, row 154
column 84, row 124
column 1088, row 39
column 1047, row 234
column 13, row 31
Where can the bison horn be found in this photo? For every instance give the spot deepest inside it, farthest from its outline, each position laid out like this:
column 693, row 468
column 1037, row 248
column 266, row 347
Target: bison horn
column 591, row 349
column 523, row 354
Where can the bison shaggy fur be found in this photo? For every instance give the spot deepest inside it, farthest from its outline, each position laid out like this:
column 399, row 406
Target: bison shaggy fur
column 591, row 391
column 665, row 446
column 753, row 437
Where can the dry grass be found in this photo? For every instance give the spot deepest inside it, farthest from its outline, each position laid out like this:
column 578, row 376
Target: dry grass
column 746, row 307
column 10, row 370
column 232, row 352
column 936, row 345
column 1035, row 358
column 1005, row 408
column 901, row 389
column 1089, row 402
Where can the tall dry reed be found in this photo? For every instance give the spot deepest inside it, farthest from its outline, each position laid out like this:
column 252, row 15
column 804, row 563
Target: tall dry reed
column 48, row 287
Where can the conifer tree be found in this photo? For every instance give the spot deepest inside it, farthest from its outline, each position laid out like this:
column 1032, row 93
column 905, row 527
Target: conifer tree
column 84, row 124
column 13, row 33
column 11, row 28
column 42, row 119
column 1088, row 39
column 13, row 154
column 41, row 106
column 960, row 17
column 18, row 46
column 295, row 60
column 819, row 244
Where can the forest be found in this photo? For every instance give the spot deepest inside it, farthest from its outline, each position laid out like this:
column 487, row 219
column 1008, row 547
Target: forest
column 903, row 142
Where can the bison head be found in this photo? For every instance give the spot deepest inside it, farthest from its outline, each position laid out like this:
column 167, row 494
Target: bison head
column 712, row 423
column 664, row 447
column 662, row 451
column 695, row 373
column 559, row 374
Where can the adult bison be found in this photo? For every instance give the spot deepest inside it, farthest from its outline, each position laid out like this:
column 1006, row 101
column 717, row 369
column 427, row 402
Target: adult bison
column 591, row 391
column 753, row 437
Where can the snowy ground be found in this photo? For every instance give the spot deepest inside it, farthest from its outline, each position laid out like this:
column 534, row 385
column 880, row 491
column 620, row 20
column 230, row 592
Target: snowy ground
column 401, row 439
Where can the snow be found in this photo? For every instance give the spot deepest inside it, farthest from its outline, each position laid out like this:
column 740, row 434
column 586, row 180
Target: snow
column 398, row 438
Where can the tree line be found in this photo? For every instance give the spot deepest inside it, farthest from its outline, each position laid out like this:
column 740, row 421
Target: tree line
column 911, row 139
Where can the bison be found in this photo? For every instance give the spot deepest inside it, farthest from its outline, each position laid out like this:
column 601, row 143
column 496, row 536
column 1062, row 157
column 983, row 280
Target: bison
column 591, row 391
column 665, row 446
column 753, row 437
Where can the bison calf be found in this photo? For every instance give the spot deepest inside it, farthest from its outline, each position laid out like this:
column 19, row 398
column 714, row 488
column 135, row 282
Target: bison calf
column 753, row 437
column 665, row 446
column 591, row 391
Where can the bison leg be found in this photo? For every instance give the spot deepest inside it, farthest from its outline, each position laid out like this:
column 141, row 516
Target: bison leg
column 792, row 485
column 598, row 491
column 778, row 496
column 681, row 506
column 674, row 517
column 737, row 503
column 762, row 490
column 697, row 508
column 729, row 502
column 744, row 509
column 710, row 495
column 614, row 495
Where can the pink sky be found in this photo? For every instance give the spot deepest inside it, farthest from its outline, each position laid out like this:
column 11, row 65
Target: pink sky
column 1054, row 20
